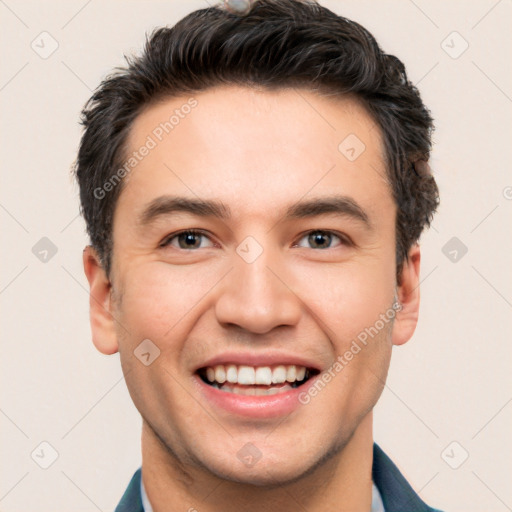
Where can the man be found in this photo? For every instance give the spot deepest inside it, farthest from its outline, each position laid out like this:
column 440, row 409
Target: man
column 254, row 186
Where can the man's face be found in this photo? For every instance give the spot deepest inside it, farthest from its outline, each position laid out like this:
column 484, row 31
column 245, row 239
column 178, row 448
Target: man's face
column 269, row 284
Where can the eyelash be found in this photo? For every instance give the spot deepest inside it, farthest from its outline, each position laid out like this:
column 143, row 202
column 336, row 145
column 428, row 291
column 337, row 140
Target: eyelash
column 344, row 240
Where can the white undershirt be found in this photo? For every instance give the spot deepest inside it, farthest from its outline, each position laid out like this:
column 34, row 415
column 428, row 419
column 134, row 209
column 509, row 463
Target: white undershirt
column 377, row 505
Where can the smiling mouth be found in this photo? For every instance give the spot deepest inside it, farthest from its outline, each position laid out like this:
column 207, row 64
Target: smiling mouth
column 256, row 380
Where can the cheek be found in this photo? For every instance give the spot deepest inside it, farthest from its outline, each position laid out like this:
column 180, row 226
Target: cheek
column 158, row 304
column 347, row 298
column 352, row 304
column 358, row 378
column 158, row 298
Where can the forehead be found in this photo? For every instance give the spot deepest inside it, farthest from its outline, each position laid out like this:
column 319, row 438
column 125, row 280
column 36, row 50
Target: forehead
column 265, row 147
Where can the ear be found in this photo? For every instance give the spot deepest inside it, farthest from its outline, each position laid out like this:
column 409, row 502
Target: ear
column 408, row 294
column 100, row 304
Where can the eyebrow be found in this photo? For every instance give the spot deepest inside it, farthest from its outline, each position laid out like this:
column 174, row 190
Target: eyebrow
column 166, row 205
column 337, row 204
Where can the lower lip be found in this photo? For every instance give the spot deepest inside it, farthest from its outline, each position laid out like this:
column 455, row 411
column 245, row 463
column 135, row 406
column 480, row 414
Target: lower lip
column 260, row 406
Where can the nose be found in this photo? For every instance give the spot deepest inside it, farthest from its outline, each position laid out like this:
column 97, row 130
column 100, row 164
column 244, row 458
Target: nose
column 257, row 296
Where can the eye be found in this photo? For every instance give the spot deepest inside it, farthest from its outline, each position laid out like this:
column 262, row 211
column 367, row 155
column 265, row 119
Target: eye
column 320, row 239
column 189, row 239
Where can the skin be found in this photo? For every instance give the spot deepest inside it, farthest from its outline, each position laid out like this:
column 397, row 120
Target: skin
column 258, row 152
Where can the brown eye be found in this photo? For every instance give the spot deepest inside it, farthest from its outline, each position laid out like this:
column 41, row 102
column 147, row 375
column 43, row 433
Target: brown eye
column 187, row 240
column 320, row 239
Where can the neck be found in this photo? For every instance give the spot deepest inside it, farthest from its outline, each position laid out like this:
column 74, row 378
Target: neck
column 342, row 483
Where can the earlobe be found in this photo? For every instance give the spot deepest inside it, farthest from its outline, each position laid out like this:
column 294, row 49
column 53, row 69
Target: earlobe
column 100, row 304
column 408, row 294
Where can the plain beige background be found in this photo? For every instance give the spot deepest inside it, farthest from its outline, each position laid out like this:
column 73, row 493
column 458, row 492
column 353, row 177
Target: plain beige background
column 449, row 390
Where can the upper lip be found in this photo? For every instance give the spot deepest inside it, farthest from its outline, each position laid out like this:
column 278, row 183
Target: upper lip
column 255, row 359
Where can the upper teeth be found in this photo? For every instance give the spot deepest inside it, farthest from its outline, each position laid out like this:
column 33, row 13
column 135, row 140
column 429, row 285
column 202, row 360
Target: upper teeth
column 248, row 375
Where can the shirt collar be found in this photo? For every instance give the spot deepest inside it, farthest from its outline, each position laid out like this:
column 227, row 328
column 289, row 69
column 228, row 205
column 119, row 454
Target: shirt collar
column 377, row 505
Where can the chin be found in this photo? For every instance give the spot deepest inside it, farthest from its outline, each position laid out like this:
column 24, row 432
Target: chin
column 265, row 475
column 271, row 470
